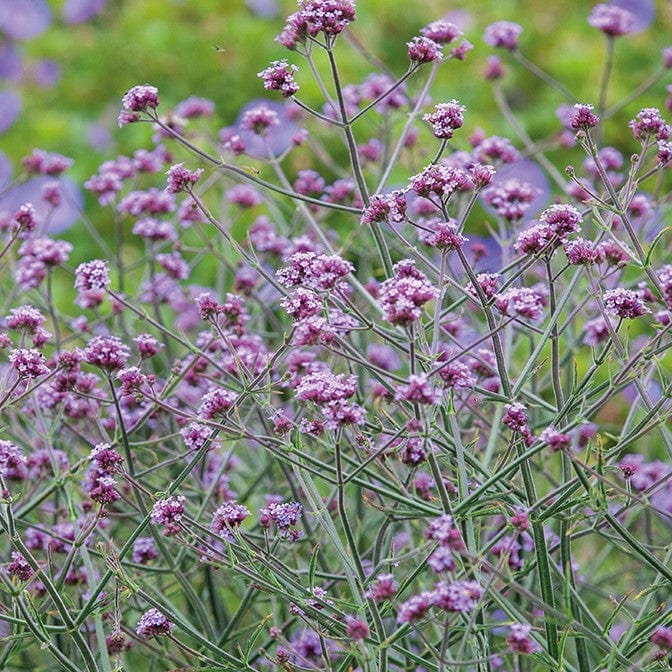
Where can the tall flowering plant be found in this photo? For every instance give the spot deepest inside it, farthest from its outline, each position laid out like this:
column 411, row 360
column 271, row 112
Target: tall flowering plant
column 328, row 418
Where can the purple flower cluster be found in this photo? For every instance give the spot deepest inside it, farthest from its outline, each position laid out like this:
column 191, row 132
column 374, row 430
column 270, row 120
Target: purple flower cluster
column 403, row 296
column 503, row 35
column 285, row 516
column 624, row 303
column 154, row 624
column 446, row 119
column 457, row 596
column 320, row 272
column 168, row 512
column 279, row 76
column 521, row 302
column 227, row 518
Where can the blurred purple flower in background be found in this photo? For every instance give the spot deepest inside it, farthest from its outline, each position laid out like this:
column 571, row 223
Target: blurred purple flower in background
column 528, row 171
column 5, row 172
column 51, row 219
column 99, row 137
column 278, row 137
column 11, row 65
column 23, row 19
column 10, row 107
column 47, row 73
column 266, row 9
column 78, row 11
column 643, row 12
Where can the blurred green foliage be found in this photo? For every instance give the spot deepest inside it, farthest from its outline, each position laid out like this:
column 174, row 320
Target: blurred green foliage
column 172, row 44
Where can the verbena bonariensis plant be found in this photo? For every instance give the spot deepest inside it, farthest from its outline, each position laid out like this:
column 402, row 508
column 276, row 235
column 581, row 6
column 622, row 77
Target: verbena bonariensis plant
column 328, row 419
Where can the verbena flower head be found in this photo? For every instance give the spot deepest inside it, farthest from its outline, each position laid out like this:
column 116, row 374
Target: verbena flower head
column 441, row 31
column 415, row 608
column 403, row 296
column 583, row 118
column 356, row 629
column 26, row 218
column 649, row 123
column 556, row 440
column 181, row 178
column 445, row 119
column 106, row 458
column 440, row 180
column 458, row 596
column 423, row 50
column 442, row 235
column 323, row 387
column 46, row 163
column 144, row 550
column 662, row 637
column 581, row 252
column 19, row 567
column 28, row 363
column 25, row 318
column 503, row 35
column 444, row 531
column 535, row 239
column 611, row 19
column 92, row 278
column 624, row 303
column 216, row 403
column 107, row 352
column 519, row 639
column 140, row 98
column 384, row 587
column 153, row 624
column 563, row 219
column 194, row 106
column 12, row 461
column 279, row 76
column 330, row 17
column 228, row 517
column 419, row 390
column 285, row 515
column 259, row 120
column 524, row 302
column 511, row 198
column 168, row 512
column 316, row 271
column 385, row 207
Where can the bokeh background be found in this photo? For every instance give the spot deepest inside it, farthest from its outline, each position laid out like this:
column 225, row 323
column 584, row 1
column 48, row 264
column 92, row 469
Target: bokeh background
column 65, row 64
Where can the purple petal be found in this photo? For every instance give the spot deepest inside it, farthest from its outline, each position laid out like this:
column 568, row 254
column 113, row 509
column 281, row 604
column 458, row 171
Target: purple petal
column 11, row 65
column 5, row 172
column 643, row 11
column 53, row 220
column 78, row 11
column 23, row 19
column 10, row 107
